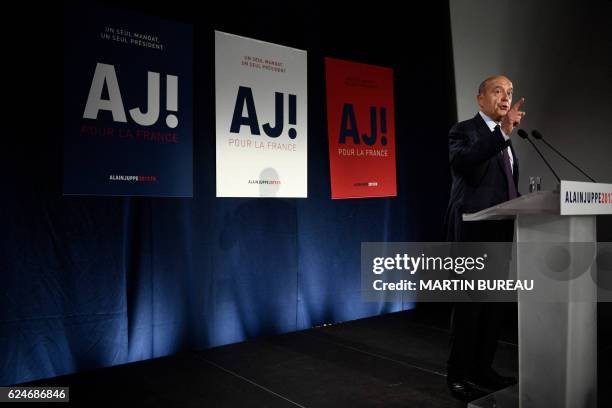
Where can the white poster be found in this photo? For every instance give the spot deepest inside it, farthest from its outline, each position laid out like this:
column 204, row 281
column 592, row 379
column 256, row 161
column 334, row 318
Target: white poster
column 261, row 127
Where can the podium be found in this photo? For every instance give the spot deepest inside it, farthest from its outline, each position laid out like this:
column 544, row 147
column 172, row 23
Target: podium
column 557, row 339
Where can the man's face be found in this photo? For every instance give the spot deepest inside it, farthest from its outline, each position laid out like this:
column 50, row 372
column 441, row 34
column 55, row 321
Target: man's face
column 496, row 99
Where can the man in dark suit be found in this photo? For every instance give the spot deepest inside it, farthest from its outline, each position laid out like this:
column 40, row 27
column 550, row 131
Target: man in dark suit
column 484, row 170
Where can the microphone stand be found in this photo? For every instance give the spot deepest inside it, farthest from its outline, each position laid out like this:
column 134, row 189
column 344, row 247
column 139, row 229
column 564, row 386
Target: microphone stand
column 524, row 135
column 538, row 136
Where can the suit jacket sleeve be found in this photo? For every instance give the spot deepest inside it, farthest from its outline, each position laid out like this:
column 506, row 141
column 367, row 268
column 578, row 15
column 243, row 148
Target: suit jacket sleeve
column 470, row 148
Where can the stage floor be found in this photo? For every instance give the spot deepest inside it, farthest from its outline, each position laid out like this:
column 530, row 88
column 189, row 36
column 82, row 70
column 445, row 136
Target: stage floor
column 394, row 360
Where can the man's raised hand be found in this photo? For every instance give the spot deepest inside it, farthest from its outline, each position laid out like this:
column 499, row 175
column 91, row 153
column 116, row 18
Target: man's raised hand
column 513, row 117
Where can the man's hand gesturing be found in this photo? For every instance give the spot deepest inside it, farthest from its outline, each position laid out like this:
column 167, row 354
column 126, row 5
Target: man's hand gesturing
column 513, row 118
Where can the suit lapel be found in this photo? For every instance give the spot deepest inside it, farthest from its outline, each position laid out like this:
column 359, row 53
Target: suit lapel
column 484, row 131
column 515, row 170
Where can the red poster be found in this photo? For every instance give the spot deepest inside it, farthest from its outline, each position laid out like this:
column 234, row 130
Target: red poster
column 361, row 129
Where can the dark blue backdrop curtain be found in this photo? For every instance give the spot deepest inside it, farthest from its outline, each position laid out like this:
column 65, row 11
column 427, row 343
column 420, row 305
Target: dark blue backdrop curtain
column 96, row 281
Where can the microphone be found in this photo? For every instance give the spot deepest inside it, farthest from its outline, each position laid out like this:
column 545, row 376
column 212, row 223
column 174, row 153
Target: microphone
column 539, row 136
column 524, row 135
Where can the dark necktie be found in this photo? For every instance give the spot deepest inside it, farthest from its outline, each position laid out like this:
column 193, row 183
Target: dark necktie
column 508, row 170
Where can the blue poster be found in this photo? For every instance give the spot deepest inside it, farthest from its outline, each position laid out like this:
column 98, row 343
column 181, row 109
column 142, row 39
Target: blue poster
column 128, row 100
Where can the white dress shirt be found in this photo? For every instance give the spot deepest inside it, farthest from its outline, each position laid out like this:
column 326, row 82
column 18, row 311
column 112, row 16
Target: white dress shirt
column 491, row 124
